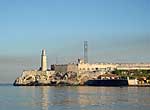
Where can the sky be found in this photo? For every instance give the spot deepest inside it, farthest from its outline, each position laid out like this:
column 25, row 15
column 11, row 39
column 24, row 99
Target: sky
column 116, row 31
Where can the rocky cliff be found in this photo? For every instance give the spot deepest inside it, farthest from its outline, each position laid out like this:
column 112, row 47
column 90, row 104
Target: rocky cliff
column 49, row 78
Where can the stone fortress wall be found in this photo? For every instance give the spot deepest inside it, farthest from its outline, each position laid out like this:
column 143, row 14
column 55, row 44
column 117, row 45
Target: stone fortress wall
column 101, row 67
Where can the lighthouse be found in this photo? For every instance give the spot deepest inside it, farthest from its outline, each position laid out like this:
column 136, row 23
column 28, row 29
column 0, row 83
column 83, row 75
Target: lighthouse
column 43, row 61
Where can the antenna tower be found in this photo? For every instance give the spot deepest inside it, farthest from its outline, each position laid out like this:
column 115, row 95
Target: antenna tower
column 85, row 51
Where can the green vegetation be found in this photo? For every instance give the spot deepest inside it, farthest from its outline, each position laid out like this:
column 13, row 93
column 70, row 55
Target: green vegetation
column 132, row 74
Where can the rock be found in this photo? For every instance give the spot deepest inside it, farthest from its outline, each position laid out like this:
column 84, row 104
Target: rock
column 37, row 78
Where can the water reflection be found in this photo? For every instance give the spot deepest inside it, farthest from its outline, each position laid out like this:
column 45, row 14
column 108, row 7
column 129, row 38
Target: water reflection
column 86, row 98
column 58, row 97
column 44, row 97
column 74, row 98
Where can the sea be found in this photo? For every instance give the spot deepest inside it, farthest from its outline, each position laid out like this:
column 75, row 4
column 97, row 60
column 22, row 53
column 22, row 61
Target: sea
column 73, row 98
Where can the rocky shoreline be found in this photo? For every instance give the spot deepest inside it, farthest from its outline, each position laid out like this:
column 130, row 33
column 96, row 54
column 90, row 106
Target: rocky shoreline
column 41, row 78
column 44, row 78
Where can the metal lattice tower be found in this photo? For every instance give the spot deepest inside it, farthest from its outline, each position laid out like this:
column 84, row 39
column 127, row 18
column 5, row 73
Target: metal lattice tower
column 85, row 51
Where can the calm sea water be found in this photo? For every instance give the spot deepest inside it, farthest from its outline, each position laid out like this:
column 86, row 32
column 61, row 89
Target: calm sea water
column 74, row 98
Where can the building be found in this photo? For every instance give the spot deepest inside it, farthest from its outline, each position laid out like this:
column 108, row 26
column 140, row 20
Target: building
column 133, row 66
column 82, row 67
column 65, row 68
column 43, row 69
column 97, row 67
column 43, row 61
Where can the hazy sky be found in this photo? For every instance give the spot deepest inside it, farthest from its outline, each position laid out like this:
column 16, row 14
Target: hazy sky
column 116, row 30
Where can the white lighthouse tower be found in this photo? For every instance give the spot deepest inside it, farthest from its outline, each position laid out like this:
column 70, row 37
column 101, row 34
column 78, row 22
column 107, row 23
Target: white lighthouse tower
column 43, row 61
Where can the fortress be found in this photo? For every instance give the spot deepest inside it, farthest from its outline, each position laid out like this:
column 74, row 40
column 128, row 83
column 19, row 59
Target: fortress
column 82, row 67
column 72, row 74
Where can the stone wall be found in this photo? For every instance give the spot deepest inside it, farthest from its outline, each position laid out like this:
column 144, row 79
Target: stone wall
column 35, row 72
column 72, row 68
column 65, row 68
column 29, row 72
column 59, row 68
column 96, row 67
